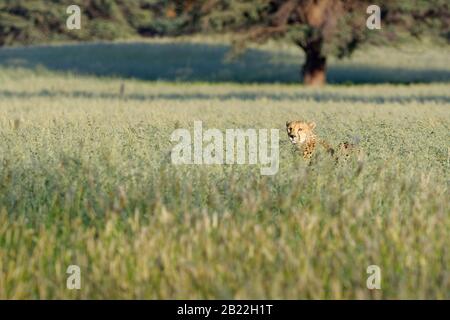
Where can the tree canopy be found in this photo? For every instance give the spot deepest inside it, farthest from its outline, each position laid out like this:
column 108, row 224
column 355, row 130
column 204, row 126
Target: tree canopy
column 326, row 27
column 37, row 21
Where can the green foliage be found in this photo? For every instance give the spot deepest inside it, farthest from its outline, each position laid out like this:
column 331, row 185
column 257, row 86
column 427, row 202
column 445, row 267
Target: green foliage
column 40, row 21
column 342, row 26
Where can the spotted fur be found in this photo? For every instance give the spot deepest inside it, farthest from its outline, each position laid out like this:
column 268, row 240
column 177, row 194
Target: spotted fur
column 301, row 134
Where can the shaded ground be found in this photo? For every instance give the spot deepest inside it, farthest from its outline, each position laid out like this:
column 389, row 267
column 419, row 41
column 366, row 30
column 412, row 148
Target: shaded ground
column 200, row 62
column 243, row 96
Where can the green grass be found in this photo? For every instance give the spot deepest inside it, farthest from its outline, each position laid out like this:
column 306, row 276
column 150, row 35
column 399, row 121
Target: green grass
column 86, row 179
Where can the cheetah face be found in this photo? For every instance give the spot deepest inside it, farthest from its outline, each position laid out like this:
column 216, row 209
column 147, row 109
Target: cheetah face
column 299, row 131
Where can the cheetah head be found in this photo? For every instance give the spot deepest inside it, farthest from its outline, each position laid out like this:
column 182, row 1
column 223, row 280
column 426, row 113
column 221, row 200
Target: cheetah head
column 299, row 131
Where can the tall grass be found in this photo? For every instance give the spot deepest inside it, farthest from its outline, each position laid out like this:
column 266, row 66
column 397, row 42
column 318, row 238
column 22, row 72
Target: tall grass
column 86, row 179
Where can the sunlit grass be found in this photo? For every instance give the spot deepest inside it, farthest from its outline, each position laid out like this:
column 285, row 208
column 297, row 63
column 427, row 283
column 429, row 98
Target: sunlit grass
column 86, row 179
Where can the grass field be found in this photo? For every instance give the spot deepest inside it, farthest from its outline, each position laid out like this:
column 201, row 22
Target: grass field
column 86, row 179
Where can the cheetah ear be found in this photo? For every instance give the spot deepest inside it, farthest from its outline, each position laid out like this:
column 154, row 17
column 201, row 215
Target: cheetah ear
column 312, row 125
column 288, row 123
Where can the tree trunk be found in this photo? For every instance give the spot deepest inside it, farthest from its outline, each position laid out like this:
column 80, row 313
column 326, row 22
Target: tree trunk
column 314, row 69
column 321, row 17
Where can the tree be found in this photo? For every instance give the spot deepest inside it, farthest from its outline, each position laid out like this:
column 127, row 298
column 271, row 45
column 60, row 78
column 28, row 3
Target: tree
column 325, row 27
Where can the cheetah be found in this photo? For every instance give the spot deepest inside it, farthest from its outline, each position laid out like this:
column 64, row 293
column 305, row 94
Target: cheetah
column 301, row 134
